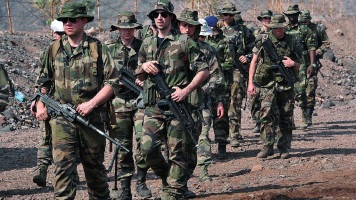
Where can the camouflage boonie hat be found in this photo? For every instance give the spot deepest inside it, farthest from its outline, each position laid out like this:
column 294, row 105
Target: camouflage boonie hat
column 165, row 5
column 292, row 9
column 265, row 14
column 126, row 20
column 190, row 17
column 304, row 16
column 229, row 8
column 74, row 10
column 277, row 21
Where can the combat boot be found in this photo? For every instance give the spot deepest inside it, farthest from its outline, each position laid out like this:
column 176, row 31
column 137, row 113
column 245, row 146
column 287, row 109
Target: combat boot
column 257, row 128
column 303, row 124
column 309, row 116
column 283, row 153
column 204, row 176
column 126, row 190
column 40, row 176
column 187, row 194
column 234, row 142
column 266, row 151
column 141, row 187
column 221, row 151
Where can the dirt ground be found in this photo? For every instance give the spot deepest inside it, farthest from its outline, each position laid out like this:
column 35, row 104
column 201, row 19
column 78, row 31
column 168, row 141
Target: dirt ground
column 322, row 163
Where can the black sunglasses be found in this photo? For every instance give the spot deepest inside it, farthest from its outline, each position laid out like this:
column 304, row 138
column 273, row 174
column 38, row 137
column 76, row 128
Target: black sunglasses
column 72, row 20
column 163, row 14
column 226, row 14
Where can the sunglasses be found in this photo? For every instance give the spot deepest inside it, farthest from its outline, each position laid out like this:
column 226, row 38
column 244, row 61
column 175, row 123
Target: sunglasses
column 163, row 14
column 72, row 20
column 226, row 14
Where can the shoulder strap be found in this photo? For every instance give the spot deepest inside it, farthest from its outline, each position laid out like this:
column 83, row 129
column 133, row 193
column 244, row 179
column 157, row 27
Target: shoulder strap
column 54, row 50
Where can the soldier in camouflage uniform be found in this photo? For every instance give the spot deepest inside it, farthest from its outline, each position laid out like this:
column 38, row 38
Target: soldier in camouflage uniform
column 307, row 38
column 264, row 18
column 182, row 64
column 233, row 77
column 147, row 31
column 322, row 45
column 124, row 51
column 71, row 76
column 4, row 88
column 277, row 97
column 218, row 41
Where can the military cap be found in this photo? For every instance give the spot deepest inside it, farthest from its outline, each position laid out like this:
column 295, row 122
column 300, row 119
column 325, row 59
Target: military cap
column 205, row 29
column 277, row 21
column 74, row 10
column 126, row 19
column 304, row 16
column 190, row 17
column 265, row 14
column 292, row 9
column 229, row 8
column 165, row 5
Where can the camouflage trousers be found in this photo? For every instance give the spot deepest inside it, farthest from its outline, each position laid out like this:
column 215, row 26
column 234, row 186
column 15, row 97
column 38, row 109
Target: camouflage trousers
column 67, row 140
column 126, row 122
column 158, row 129
column 44, row 152
column 311, row 91
column 276, row 110
column 301, row 87
column 256, row 107
column 238, row 92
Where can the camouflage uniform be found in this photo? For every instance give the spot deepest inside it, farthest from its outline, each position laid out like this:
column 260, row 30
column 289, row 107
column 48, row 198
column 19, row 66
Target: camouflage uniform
column 234, row 79
column 180, row 59
column 73, row 76
column 277, row 98
column 145, row 32
column 322, row 45
column 128, row 116
column 4, row 88
column 308, row 41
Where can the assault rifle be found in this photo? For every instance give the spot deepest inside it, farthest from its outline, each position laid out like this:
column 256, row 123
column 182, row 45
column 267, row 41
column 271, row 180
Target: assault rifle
column 233, row 43
column 178, row 109
column 287, row 73
column 55, row 109
column 128, row 79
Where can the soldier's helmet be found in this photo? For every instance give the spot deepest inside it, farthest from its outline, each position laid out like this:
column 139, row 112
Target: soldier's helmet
column 74, row 10
column 127, row 20
column 265, row 14
column 164, row 5
column 190, row 17
column 229, row 8
column 277, row 21
column 304, row 16
column 292, row 9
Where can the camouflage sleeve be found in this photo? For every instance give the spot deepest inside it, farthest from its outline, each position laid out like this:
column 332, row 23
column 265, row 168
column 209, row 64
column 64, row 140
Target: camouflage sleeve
column 215, row 78
column 45, row 72
column 142, row 53
column 4, row 89
column 195, row 57
column 323, row 41
column 111, row 76
column 310, row 40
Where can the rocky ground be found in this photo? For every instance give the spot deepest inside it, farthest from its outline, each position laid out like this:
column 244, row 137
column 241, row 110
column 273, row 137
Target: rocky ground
column 323, row 158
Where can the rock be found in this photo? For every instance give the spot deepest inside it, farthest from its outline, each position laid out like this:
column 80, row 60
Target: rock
column 5, row 129
column 329, row 55
column 339, row 32
column 328, row 104
column 257, row 168
column 352, row 102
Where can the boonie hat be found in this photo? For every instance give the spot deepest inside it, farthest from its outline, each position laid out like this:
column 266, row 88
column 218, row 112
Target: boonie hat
column 57, row 26
column 265, row 13
column 74, row 10
column 162, row 5
column 229, row 8
column 190, row 17
column 277, row 21
column 304, row 16
column 292, row 9
column 126, row 20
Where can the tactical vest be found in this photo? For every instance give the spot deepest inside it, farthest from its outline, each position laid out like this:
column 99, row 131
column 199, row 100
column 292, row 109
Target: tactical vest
column 300, row 33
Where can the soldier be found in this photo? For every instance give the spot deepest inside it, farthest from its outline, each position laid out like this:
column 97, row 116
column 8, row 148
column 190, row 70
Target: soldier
column 73, row 72
column 147, row 31
column 277, row 97
column 124, row 51
column 307, row 38
column 4, row 88
column 182, row 64
column 322, row 41
column 264, row 18
column 241, row 42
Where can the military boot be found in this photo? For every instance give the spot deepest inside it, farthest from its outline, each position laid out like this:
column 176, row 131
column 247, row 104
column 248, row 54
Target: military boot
column 283, row 153
column 257, row 128
column 40, row 176
column 126, row 190
column 221, row 151
column 266, row 151
column 234, row 142
column 303, row 124
column 204, row 176
column 141, row 187
column 187, row 194
column 309, row 116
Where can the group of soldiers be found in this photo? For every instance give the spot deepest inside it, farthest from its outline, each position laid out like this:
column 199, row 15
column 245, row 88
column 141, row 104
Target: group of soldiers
column 209, row 66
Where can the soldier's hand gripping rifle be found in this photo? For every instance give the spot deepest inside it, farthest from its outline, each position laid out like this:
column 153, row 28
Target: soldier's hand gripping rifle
column 234, row 43
column 287, row 73
column 178, row 109
column 128, row 79
column 55, row 109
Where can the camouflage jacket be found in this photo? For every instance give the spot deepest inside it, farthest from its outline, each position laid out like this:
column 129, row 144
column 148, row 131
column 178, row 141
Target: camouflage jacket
column 126, row 57
column 259, row 31
column 180, row 61
column 306, row 37
column 246, row 41
column 287, row 46
column 322, row 39
column 72, row 75
column 214, row 85
column 4, row 88
column 145, row 32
